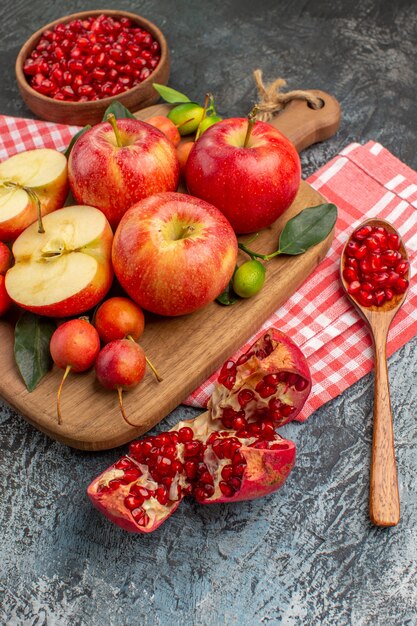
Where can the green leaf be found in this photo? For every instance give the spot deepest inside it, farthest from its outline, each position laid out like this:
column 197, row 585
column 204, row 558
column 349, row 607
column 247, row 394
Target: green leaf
column 228, row 296
column 119, row 111
column 74, row 139
column 31, row 348
column 170, row 95
column 307, row 229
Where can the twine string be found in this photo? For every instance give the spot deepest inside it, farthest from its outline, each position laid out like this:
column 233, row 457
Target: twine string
column 272, row 100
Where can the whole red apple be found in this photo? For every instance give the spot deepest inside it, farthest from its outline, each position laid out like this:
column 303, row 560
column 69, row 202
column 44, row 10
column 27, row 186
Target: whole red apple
column 113, row 165
column 173, row 253
column 252, row 175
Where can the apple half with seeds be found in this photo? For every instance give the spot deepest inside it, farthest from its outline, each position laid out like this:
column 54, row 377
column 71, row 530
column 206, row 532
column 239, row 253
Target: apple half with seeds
column 35, row 174
column 67, row 269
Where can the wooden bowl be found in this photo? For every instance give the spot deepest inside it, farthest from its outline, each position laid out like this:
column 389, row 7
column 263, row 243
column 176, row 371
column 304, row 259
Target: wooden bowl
column 81, row 113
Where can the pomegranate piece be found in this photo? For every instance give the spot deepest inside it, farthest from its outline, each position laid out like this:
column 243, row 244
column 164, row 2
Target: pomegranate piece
column 374, row 268
column 269, row 383
column 91, row 49
column 228, row 454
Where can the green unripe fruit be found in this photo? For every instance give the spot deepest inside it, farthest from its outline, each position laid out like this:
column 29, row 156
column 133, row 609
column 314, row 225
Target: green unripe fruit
column 249, row 278
column 186, row 117
column 207, row 122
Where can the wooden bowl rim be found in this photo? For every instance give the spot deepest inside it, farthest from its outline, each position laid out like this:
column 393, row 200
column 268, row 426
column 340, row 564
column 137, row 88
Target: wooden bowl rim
column 30, row 44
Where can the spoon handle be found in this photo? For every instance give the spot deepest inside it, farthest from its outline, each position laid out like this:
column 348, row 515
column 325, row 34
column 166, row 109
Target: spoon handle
column 384, row 505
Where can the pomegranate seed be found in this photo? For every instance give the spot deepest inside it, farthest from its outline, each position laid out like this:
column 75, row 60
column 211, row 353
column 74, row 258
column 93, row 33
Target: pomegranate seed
column 192, row 448
column 362, row 233
column 391, row 257
column 389, row 294
column 402, row 267
column 131, row 474
column 354, row 287
column 190, row 468
column 393, row 241
column 400, row 285
column 238, row 469
column 161, row 495
column 350, row 274
column 245, row 396
column 301, row 384
column 206, row 478
column 286, row 410
column 239, row 423
column 379, row 297
column 133, row 502
column 141, row 517
column 227, row 472
column 235, row 483
column 226, row 489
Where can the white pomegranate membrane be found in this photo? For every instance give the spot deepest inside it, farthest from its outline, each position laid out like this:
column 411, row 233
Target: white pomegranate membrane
column 375, row 269
column 229, row 453
column 90, row 59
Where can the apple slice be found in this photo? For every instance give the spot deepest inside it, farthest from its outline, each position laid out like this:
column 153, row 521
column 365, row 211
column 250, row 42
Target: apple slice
column 67, row 269
column 38, row 173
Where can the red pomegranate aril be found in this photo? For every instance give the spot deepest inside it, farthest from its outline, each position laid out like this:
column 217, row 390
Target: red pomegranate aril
column 123, row 463
column 400, row 285
column 389, row 294
column 368, row 287
column 362, row 233
column 144, row 73
column 185, row 434
column 192, row 448
column 392, row 278
column 190, row 468
column 227, row 472
column 351, row 262
column 365, row 298
column 133, row 502
column 245, row 396
column 141, row 517
column 379, row 297
column 161, row 495
column 131, row 474
column 350, row 274
column 394, row 241
column 301, row 384
column 226, row 489
column 354, row 287
column 380, row 279
column 402, row 267
column 86, row 90
column 153, row 63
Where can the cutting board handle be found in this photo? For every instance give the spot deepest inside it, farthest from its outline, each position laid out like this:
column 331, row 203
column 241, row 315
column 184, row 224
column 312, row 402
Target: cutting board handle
column 304, row 125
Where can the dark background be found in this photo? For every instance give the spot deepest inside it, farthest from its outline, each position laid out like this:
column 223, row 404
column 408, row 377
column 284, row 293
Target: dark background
column 307, row 555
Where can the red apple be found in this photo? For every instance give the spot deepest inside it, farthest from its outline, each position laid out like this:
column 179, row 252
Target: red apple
column 67, row 269
column 252, row 179
column 173, row 253
column 111, row 168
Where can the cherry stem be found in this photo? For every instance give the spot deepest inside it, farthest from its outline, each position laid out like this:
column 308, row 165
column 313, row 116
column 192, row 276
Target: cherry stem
column 122, row 409
column 157, row 376
column 112, row 120
column 184, row 123
column 251, row 123
column 58, row 399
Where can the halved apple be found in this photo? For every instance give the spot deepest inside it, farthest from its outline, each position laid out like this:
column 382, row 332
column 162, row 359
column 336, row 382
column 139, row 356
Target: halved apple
column 42, row 172
column 67, row 269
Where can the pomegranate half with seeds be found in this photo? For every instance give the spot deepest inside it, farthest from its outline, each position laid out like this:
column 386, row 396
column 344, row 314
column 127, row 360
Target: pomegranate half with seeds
column 227, row 454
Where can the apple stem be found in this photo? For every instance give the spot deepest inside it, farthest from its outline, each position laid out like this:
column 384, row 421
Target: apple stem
column 154, row 370
column 33, row 196
column 58, row 399
column 112, row 120
column 122, row 410
column 251, row 123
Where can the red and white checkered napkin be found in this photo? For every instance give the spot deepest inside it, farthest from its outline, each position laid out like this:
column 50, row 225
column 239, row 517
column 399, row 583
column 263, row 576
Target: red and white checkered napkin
column 363, row 181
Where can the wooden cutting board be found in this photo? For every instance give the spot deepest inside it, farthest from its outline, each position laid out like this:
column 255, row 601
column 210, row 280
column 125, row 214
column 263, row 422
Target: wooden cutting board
column 186, row 350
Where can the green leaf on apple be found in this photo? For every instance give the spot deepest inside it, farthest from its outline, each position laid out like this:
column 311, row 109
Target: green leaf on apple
column 31, row 348
column 307, row 229
column 74, row 139
column 170, row 95
column 228, row 296
column 119, row 111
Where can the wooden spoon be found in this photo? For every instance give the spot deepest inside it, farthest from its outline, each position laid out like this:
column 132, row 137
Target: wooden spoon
column 384, row 505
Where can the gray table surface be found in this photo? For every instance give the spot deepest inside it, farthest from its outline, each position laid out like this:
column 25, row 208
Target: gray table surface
column 307, row 555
